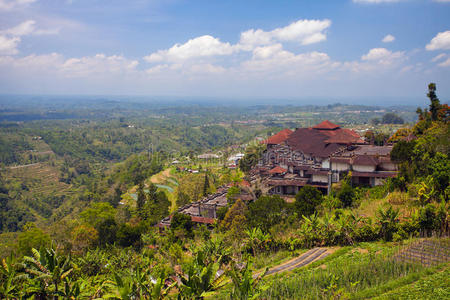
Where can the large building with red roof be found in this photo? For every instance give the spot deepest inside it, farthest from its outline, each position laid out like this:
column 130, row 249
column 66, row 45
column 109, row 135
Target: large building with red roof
column 319, row 156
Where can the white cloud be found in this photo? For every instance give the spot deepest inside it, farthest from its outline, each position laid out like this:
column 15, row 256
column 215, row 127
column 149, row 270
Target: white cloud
column 8, row 46
column 273, row 60
column 383, row 56
column 72, row 67
column 442, row 1
column 438, row 57
column 388, row 38
column 440, row 41
column 26, row 28
column 14, row 4
column 445, row 63
column 304, row 32
column 203, row 46
column 98, row 64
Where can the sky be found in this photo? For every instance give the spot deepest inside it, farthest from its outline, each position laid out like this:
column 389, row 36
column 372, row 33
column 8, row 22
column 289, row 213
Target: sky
column 303, row 49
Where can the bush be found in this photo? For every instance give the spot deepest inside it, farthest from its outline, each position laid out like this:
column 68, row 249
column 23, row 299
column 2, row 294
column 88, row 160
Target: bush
column 346, row 195
column 181, row 221
column 306, row 201
column 266, row 212
column 128, row 236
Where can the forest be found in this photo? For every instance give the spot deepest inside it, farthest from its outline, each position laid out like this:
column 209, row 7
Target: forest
column 82, row 190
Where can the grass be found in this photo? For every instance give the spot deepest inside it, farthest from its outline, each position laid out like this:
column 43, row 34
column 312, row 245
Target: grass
column 396, row 284
column 347, row 271
column 433, row 286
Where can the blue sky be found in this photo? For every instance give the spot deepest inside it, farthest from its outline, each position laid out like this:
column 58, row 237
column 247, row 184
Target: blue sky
column 337, row 49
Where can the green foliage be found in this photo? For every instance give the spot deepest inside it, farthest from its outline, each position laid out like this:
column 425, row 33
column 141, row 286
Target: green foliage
column 388, row 220
column 181, row 221
column 128, row 235
column 267, row 211
column 306, row 201
column 98, row 213
column 245, row 284
column 391, row 118
column 252, row 155
column 402, row 151
column 346, row 194
column 199, row 278
column 31, row 237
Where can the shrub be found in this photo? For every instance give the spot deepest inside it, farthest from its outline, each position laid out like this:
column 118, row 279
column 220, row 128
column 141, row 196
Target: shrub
column 306, row 201
column 346, row 195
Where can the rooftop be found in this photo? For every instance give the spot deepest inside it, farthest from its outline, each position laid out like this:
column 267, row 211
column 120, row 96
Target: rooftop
column 278, row 138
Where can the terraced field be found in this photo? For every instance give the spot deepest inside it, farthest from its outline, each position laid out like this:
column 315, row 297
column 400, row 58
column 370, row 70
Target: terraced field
column 40, row 178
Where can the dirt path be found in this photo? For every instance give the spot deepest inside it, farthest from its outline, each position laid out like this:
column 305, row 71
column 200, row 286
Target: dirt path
column 305, row 259
column 23, row 166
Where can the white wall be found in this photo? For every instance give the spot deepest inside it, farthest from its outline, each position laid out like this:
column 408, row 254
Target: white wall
column 319, row 178
column 326, row 164
column 388, row 166
column 379, row 181
column 340, row 166
column 361, row 168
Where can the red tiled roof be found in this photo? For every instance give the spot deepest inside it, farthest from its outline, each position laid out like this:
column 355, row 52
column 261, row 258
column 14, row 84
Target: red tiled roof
column 343, row 160
column 326, row 125
column 245, row 183
column 365, row 160
column 322, row 143
column 278, row 138
column 278, row 170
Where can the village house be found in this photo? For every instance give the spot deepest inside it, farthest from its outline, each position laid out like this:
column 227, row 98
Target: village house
column 319, row 156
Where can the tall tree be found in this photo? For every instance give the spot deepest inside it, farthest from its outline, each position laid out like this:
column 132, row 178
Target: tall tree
column 206, row 184
column 435, row 105
column 141, row 197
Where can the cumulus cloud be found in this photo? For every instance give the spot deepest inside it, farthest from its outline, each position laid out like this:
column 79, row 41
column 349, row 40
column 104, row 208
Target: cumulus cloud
column 8, row 46
column 14, row 4
column 203, row 46
column 274, row 60
column 388, row 38
column 440, row 42
column 304, row 32
column 383, row 56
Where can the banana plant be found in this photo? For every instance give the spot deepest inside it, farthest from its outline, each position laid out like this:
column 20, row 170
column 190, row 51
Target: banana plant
column 200, row 278
column 245, row 285
column 9, row 285
column 48, row 270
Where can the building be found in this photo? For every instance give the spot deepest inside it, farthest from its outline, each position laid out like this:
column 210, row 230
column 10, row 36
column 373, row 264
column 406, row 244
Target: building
column 318, row 156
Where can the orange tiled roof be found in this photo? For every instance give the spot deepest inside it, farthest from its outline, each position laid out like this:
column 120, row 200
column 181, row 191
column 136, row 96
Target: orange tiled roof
column 278, row 138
